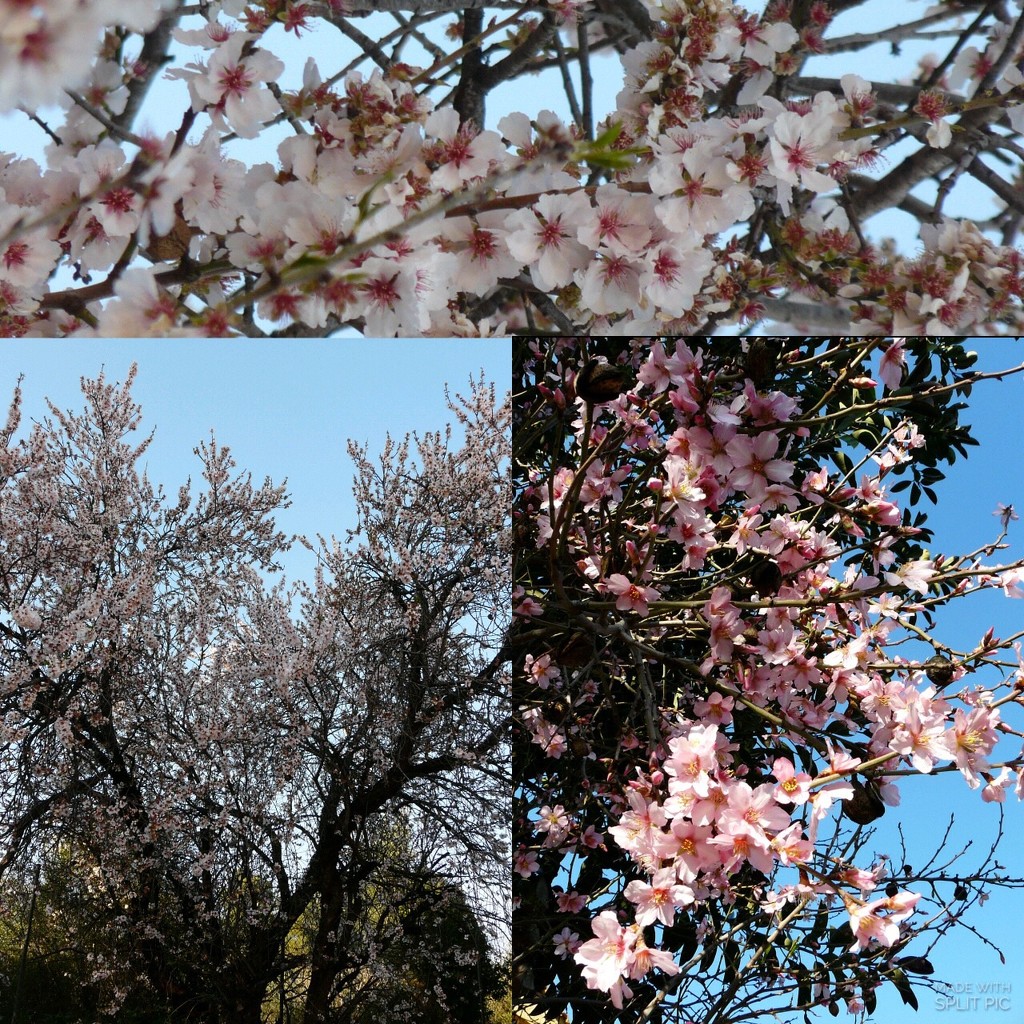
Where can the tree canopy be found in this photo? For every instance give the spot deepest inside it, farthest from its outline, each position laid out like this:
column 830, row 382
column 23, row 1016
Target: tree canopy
column 426, row 167
column 242, row 792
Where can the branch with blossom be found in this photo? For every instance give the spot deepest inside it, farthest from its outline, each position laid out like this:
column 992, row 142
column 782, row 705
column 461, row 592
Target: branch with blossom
column 724, row 185
column 729, row 659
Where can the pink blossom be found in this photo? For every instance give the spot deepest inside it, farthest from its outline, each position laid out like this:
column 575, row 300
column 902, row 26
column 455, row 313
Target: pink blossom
column 638, row 826
column 726, row 625
column 1011, row 581
column 608, row 956
column 621, row 224
column 555, row 822
column 686, row 845
column 570, row 902
column 914, row 575
column 919, row 735
column 542, row 671
column 609, row 284
column 791, row 847
column 752, row 810
column 26, row 260
column 141, row 309
column 659, row 900
column 525, row 605
column 631, row 597
column 738, row 845
column 646, row 958
column 995, row 790
column 754, row 462
column 692, row 759
column 892, row 364
column 880, row 920
column 567, row 942
column 972, row 737
column 716, row 709
column 525, row 862
column 481, row 250
column 793, row 787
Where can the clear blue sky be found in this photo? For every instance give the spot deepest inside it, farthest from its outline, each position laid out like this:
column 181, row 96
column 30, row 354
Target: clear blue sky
column 285, row 409
column 963, row 521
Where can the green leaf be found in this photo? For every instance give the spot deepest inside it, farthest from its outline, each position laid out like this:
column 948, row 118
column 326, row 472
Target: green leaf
column 902, row 983
column 601, row 151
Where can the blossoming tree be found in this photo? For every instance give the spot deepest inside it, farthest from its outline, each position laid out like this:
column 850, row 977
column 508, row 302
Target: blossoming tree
column 726, row 661
column 250, row 792
column 734, row 178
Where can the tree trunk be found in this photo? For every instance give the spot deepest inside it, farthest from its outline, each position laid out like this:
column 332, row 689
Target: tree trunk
column 324, row 960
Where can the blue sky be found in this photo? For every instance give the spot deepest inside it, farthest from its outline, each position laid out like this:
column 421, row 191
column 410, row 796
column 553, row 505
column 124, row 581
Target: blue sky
column 285, row 409
column 963, row 521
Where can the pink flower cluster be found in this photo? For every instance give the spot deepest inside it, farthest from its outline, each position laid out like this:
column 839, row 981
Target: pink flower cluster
column 795, row 640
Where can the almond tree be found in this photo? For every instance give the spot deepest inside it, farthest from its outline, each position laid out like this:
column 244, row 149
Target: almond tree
column 214, row 758
column 728, row 656
column 735, row 178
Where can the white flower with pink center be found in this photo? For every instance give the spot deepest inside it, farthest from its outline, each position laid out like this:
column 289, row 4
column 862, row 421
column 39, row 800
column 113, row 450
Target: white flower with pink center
column 674, row 272
column 462, row 152
column 481, row 251
column 26, row 261
column 544, row 238
column 799, row 144
column 232, row 86
column 610, row 284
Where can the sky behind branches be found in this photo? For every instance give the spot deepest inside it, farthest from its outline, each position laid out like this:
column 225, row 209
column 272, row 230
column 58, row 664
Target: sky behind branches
column 879, row 62
column 983, row 990
column 285, row 409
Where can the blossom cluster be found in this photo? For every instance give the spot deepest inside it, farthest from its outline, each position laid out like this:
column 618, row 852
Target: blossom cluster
column 731, row 546
column 390, row 211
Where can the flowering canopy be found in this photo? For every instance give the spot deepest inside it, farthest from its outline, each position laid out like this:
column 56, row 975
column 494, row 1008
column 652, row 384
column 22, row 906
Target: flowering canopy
column 222, row 772
column 725, row 184
column 726, row 664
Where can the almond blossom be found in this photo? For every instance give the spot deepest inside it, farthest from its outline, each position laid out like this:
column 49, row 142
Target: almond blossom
column 545, row 237
column 880, row 921
column 608, row 956
column 659, row 900
column 766, row 706
column 231, row 86
column 630, row 596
